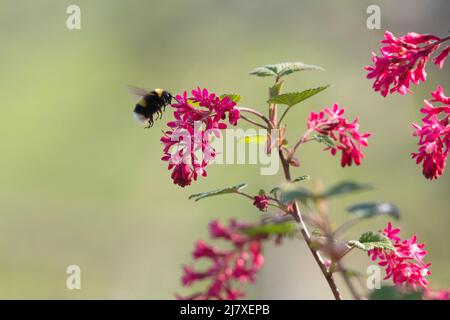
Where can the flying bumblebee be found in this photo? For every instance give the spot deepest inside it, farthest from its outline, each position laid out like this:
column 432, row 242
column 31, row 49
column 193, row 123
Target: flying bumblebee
column 150, row 103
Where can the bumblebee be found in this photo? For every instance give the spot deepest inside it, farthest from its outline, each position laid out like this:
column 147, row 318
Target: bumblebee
column 150, row 104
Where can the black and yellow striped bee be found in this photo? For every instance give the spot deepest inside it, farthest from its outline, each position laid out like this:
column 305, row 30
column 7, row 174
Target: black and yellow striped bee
column 150, row 103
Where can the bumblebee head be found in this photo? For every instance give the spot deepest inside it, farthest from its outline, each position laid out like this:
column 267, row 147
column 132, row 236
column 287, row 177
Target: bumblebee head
column 166, row 95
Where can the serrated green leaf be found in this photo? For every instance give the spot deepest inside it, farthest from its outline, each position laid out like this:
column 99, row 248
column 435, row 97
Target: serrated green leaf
column 233, row 97
column 301, row 178
column 392, row 293
column 284, row 228
column 275, row 89
column 326, row 140
column 254, row 139
column 266, row 71
column 282, row 69
column 291, row 67
column 372, row 240
column 344, row 188
column 371, row 209
column 292, row 98
column 202, row 195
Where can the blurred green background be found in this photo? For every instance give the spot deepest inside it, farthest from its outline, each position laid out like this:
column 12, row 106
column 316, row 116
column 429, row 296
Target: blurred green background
column 82, row 183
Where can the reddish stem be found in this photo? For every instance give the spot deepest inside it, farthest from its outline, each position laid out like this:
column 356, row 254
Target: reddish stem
column 305, row 233
column 296, row 210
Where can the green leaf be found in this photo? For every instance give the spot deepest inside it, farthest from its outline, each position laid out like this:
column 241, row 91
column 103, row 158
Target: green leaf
column 372, row 240
column 301, row 178
column 392, row 293
column 291, row 67
column 233, row 97
column 292, row 98
column 292, row 192
column 344, row 188
column 285, row 228
column 202, row 195
column 275, row 89
column 371, row 209
column 255, row 139
column 275, row 190
column 282, row 69
column 326, row 140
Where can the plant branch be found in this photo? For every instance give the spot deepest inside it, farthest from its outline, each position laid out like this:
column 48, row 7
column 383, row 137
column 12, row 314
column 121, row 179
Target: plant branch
column 252, row 122
column 301, row 141
column 284, row 114
column 256, row 113
column 305, row 233
column 348, row 282
column 244, row 194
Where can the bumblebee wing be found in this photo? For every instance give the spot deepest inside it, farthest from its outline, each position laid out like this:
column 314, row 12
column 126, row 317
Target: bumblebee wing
column 137, row 91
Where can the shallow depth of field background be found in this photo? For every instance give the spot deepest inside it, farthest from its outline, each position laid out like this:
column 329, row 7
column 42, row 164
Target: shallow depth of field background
column 82, row 183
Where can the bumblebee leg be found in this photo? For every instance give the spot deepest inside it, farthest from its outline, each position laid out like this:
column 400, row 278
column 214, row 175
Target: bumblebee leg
column 150, row 122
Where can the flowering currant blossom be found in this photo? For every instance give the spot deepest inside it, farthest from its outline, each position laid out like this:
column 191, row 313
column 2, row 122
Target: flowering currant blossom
column 187, row 144
column 434, row 135
column 239, row 263
column 261, row 202
column 346, row 136
column 403, row 61
column 443, row 294
column 405, row 264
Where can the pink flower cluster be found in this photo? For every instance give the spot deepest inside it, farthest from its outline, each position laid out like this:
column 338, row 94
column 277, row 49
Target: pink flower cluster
column 434, row 136
column 443, row 294
column 187, row 144
column 403, row 61
column 261, row 202
column 240, row 263
column 346, row 136
column 404, row 265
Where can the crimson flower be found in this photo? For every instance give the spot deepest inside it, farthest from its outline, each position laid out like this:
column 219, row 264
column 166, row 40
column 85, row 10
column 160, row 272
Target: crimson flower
column 346, row 136
column 187, row 144
column 405, row 264
column 239, row 263
column 403, row 61
column 261, row 202
column 434, row 136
